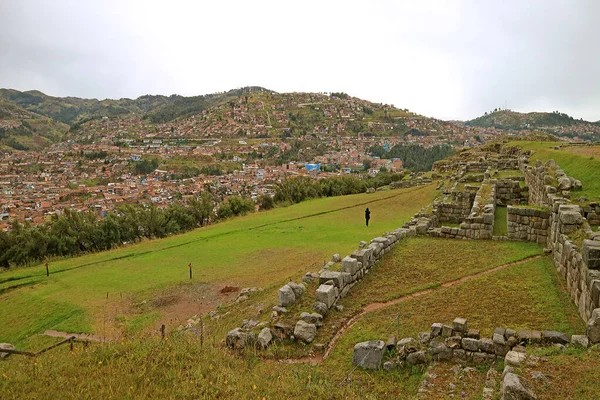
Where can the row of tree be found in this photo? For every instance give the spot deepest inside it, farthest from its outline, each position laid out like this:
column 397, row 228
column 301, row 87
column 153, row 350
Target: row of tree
column 413, row 156
column 302, row 188
column 73, row 232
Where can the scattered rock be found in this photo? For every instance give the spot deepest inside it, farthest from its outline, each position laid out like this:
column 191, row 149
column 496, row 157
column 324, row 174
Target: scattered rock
column 236, row 339
column 286, row 297
column 514, row 359
column 416, row 358
column 369, row 354
column 312, row 318
column 264, row 338
column 298, row 289
column 515, row 390
column 339, row 307
column 336, row 258
column 320, row 307
column 580, row 340
column 305, row 331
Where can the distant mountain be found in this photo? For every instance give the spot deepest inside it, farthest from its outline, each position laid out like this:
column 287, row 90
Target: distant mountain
column 512, row 120
column 71, row 110
column 556, row 123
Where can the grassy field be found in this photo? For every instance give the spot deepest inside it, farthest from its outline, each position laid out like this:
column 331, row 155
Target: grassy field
column 575, row 161
column 263, row 249
column 527, row 295
column 500, row 221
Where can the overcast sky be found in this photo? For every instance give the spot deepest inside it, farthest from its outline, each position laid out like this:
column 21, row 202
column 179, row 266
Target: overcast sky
column 445, row 59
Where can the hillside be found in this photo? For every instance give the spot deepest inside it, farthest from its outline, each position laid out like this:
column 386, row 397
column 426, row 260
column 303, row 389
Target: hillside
column 71, row 110
column 24, row 130
column 552, row 122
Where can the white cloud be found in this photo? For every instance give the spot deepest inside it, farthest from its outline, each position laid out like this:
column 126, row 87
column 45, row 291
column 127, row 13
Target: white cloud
column 448, row 59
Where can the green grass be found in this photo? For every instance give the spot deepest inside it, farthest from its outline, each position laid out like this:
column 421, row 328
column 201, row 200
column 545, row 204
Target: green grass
column 579, row 166
column 523, row 296
column 500, row 222
column 261, row 249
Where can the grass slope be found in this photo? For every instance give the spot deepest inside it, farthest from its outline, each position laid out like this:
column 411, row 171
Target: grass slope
column 575, row 161
column 257, row 250
column 528, row 295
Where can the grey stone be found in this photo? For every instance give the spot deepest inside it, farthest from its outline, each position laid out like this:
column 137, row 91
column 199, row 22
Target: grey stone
column 528, row 336
column 436, row 329
column 459, row 325
column 424, row 337
column 312, row 318
column 286, row 297
column 416, row 358
column 570, row 218
column 580, row 341
column 446, row 331
column 280, row 310
column 320, row 307
column 264, row 338
column 514, row 358
column 513, row 389
column 593, row 327
column 6, row 346
column 498, row 338
column 326, row 294
column 556, row 337
column 369, row 354
column 439, row 351
column 350, row 265
column 590, row 252
column 305, row 331
column 236, row 339
column 297, row 288
column 282, row 330
column 473, row 334
column 362, row 244
column 453, row 342
column 336, row 258
column 335, row 276
column 564, row 183
column 339, row 308
column 470, row 344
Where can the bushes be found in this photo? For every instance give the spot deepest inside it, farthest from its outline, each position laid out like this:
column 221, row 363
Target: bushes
column 235, row 205
column 75, row 232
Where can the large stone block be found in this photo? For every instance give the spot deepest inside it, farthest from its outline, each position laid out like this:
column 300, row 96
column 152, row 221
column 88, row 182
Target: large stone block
column 590, row 252
column 334, row 276
column 513, row 388
column 369, row 354
column 305, row 331
column 593, row 328
column 326, row 294
column 286, row 297
column 350, row 265
column 298, row 289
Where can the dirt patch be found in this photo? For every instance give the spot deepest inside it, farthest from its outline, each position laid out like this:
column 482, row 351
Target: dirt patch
column 230, row 289
column 174, row 305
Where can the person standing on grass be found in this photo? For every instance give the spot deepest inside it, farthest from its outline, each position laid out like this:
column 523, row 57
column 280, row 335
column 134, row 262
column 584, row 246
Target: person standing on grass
column 367, row 215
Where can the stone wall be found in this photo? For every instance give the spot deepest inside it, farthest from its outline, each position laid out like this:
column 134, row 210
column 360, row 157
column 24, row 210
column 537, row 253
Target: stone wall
column 456, row 206
column 529, row 224
column 459, row 344
column 333, row 286
column 578, row 264
column 508, row 191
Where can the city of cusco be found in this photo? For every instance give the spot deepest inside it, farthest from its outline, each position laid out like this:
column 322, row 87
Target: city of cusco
column 301, row 200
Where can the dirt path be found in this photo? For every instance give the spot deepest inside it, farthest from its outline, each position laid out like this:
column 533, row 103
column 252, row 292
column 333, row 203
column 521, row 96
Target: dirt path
column 66, row 335
column 378, row 306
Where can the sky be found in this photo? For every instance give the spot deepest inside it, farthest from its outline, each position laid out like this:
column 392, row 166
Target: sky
column 445, row 59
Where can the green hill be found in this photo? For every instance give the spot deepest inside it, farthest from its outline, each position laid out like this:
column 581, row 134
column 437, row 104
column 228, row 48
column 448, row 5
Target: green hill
column 24, row 130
